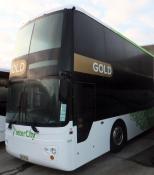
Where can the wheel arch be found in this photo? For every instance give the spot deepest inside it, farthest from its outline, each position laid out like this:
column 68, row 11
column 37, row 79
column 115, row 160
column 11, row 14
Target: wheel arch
column 123, row 124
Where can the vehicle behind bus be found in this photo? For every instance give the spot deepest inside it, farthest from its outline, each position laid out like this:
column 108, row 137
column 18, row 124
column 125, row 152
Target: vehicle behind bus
column 4, row 76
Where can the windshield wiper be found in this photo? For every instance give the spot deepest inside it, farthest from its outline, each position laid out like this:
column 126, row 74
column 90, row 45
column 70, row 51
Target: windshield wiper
column 32, row 123
column 10, row 124
column 12, row 121
column 33, row 126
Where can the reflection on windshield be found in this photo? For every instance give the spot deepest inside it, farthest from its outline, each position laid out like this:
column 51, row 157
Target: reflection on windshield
column 42, row 34
column 47, row 33
column 35, row 102
column 23, row 40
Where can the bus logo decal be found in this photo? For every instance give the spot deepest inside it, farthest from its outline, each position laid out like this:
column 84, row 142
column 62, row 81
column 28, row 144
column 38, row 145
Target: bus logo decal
column 92, row 66
column 18, row 68
column 27, row 133
column 102, row 68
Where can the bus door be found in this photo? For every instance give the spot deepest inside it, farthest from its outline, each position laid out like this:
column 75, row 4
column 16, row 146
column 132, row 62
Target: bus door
column 84, row 109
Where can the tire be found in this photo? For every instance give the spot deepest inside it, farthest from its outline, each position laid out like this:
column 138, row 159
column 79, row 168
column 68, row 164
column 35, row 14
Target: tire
column 118, row 137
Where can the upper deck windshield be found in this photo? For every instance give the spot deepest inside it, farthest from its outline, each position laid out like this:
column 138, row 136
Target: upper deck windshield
column 42, row 34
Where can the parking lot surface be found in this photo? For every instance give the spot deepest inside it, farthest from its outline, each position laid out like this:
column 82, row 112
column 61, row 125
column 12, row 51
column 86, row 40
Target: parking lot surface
column 137, row 158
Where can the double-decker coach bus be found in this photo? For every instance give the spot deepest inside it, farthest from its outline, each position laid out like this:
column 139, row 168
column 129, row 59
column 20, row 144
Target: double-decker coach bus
column 77, row 90
column 4, row 76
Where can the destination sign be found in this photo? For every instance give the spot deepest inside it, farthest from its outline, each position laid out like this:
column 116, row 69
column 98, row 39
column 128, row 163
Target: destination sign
column 18, row 68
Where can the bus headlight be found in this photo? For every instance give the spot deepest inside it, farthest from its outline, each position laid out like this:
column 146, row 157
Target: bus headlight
column 53, row 151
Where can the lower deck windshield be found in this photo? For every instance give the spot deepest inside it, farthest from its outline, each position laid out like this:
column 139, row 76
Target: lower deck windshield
column 34, row 102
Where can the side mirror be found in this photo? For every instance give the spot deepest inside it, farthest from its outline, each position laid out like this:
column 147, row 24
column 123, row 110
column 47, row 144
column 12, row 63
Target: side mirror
column 64, row 90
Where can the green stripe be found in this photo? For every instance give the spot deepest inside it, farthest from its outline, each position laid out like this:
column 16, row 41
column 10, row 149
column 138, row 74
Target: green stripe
column 118, row 33
column 141, row 48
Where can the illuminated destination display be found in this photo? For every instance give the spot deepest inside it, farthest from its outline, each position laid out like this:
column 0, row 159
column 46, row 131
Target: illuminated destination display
column 18, row 68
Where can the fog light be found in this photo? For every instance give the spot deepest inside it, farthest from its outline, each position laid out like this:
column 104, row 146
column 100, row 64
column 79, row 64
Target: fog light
column 52, row 157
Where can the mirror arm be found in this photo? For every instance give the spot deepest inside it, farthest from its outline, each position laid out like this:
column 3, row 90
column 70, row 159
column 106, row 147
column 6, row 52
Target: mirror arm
column 65, row 74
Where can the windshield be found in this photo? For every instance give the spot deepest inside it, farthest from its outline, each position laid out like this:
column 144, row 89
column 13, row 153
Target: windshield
column 42, row 34
column 35, row 102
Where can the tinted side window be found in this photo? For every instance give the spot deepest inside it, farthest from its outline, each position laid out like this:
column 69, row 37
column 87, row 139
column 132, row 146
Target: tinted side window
column 126, row 56
column 88, row 36
column 115, row 49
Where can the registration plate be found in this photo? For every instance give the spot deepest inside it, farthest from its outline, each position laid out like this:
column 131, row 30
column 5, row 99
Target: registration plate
column 23, row 157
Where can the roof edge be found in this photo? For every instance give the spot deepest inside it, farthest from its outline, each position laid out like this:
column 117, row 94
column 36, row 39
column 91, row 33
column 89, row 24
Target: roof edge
column 70, row 6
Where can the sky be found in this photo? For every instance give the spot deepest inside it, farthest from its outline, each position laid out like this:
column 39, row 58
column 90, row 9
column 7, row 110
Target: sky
column 132, row 18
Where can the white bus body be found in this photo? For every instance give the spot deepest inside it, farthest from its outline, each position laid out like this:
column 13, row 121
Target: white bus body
column 57, row 142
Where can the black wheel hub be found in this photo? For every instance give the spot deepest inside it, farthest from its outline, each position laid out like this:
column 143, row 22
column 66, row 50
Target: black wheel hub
column 118, row 135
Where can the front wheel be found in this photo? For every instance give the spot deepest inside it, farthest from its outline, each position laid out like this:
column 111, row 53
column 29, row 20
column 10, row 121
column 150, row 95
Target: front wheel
column 118, row 136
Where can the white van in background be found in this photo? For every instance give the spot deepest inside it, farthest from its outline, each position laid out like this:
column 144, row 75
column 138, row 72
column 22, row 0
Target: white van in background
column 4, row 76
column 2, row 128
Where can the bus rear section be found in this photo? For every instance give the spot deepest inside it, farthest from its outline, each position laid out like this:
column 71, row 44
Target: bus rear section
column 4, row 76
column 76, row 91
